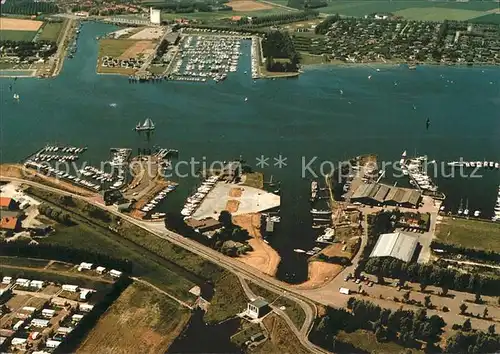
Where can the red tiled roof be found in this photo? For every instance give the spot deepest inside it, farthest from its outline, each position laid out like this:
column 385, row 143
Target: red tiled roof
column 5, row 202
column 8, row 223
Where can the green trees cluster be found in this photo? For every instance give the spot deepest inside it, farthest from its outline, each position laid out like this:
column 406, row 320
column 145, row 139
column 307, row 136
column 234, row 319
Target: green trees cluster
column 279, row 45
column 187, row 6
column 306, row 4
column 24, row 49
column 437, row 274
column 29, row 7
column 471, row 253
column 55, row 214
column 325, row 25
column 407, row 327
column 474, row 342
column 62, row 253
column 224, row 239
column 278, row 19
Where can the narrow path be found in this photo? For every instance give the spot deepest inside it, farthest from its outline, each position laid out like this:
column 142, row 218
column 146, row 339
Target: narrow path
column 163, row 292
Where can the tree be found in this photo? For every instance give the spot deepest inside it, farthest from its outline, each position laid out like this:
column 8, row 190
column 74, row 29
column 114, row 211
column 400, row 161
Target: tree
column 467, row 326
column 225, row 219
column 444, row 289
column 477, row 298
column 463, row 307
column 428, row 302
column 491, row 329
column 485, row 312
column 381, row 334
column 406, row 296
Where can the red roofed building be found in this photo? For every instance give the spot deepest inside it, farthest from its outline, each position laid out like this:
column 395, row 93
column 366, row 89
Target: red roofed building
column 10, row 224
column 7, row 203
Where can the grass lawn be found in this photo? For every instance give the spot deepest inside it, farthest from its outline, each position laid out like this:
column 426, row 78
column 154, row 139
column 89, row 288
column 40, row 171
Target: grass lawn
column 144, row 321
column 361, row 8
column 311, row 59
column 50, row 32
column 437, row 14
column 229, row 299
column 366, row 341
column 23, row 262
column 281, row 338
column 292, row 309
column 114, row 47
column 246, row 331
column 26, row 36
column 470, row 233
column 254, row 179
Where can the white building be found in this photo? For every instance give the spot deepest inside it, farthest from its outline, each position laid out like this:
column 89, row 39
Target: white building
column 70, row 288
column 115, row 273
column 38, row 322
column 86, row 307
column 344, row 291
column 17, row 325
column 29, row 309
column 16, row 342
column 22, row 282
column 86, row 266
column 64, row 330
column 6, row 280
column 76, row 318
column 100, row 270
column 38, row 284
column 154, row 16
column 52, row 343
column 257, row 308
column 48, row 313
column 85, row 293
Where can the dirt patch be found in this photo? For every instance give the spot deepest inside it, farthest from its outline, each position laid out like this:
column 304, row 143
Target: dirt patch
column 263, row 257
column 143, row 48
column 148, row 34
column 319, row 273
column 248, row 5
column 235, row 192
column 16, row 24
column 232, row 205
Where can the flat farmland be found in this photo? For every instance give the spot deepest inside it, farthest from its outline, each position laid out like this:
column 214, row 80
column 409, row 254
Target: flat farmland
column 141, row 320
column 415, row 10
column 470, row 233
column 17, row 24
column 114, row 47
column 248, row 5
column 20, row 36
column 51, row 31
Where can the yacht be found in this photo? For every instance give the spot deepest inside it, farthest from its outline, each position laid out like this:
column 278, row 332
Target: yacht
column 460, row 208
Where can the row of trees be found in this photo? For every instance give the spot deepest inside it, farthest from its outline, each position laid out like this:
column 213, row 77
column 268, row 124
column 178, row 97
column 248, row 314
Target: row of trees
column 325, row 25
column 189, row 6
column 55, row 214
column 62, row 253
column 475, row 342
column 279, row 45
column 483, row 255
column 306, row 4
column 437, row 274
column 404, row 326
column 29, row 7
column 278, row 19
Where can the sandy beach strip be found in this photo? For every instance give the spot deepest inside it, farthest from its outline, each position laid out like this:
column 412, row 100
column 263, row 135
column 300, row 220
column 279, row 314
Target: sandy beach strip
column 263, row 257
column 319, row 274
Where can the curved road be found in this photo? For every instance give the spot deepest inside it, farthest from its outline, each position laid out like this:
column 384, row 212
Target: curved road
column 233, row 265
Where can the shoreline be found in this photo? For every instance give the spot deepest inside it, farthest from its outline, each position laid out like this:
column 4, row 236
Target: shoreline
column 382, row 64
column 33, row 73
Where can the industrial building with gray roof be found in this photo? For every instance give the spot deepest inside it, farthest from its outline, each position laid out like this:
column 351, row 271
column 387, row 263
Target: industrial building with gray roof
column 397, row 245
column 382, row 194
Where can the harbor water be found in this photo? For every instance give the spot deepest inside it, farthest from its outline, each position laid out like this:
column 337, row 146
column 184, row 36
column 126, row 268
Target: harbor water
column 330, row 113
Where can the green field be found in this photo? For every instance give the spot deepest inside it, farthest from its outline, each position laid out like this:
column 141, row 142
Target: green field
column 470, row 233
column 114, row 47
column 23, row 262
column 210, row 17
column 50, row 31
column 26, row 36
column 367, row 342
column 490, row 18
column 411, row 9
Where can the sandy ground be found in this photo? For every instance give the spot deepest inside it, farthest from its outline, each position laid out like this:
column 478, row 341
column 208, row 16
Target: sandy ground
column 232, row 206
column 248, row 5
column 16, row 24
column 319, row 273
column 235, row 192
column 148, row 34
column 263, row 257
column 140, row 47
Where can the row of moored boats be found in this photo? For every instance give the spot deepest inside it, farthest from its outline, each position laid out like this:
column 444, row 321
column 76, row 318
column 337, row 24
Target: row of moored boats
column 153, row 203
column 194, row 201
column 480, row 164
column 496, row 211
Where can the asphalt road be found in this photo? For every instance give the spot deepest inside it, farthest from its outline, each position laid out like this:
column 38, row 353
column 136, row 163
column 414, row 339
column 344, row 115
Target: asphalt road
column 240, row 269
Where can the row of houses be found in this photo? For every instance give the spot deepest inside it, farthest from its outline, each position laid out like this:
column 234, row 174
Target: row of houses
column 99, row 269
